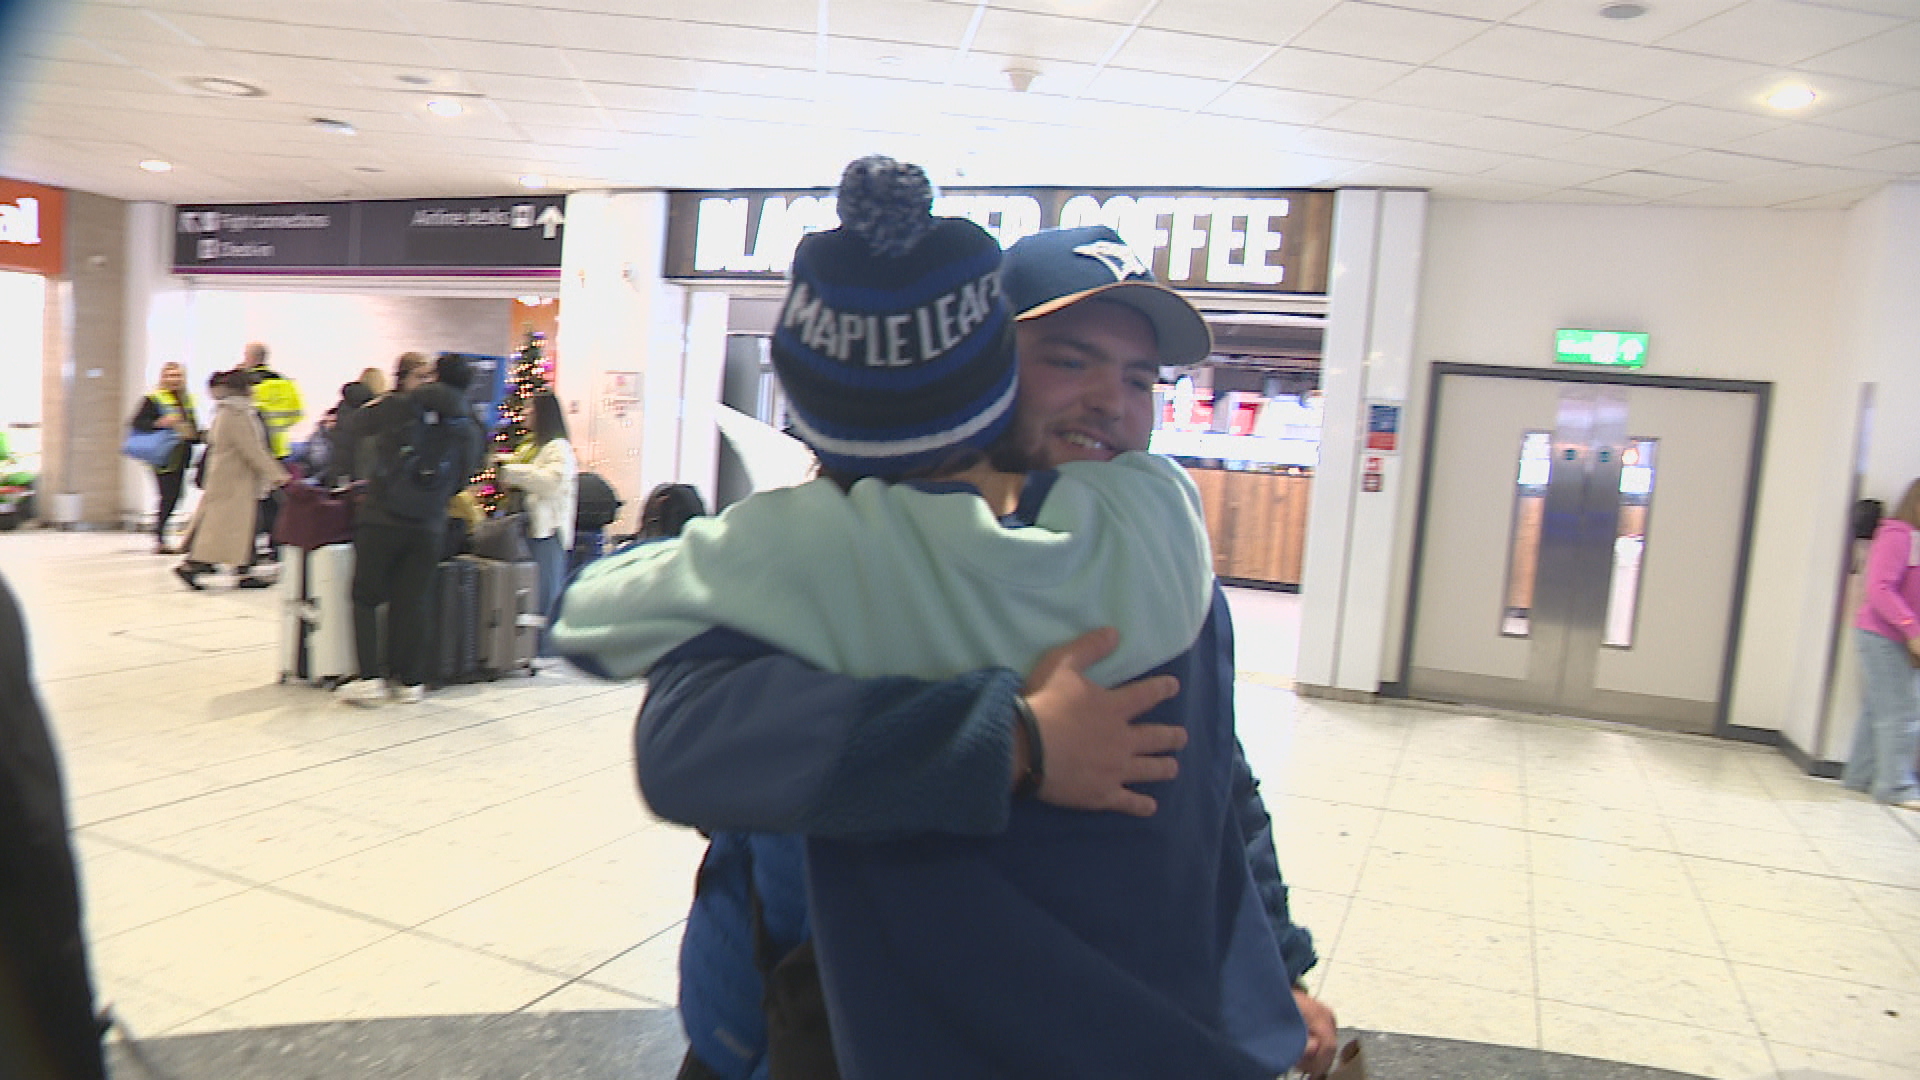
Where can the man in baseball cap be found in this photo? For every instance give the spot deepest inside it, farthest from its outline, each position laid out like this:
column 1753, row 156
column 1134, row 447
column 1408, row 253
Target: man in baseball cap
column 1093, row 329
column 1053, row 270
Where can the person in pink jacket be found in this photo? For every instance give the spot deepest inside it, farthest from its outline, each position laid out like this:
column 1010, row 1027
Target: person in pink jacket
column 1887, row 631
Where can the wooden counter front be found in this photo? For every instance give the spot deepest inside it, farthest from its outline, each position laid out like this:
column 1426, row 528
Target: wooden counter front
column 1258, row 523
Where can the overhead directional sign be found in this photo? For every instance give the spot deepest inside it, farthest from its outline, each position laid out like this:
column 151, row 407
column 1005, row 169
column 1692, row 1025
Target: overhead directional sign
column 510, row 235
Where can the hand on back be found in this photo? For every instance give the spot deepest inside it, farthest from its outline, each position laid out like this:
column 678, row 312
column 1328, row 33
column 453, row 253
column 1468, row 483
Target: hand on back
column 1091, row 746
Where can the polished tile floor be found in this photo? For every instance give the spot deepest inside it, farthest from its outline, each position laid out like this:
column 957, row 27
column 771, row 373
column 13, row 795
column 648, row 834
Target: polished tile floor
column 257, row 854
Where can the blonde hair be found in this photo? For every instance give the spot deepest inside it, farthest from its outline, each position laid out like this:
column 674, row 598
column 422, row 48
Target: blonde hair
column 1909, row 508
column 374, row 380
column 408, row 363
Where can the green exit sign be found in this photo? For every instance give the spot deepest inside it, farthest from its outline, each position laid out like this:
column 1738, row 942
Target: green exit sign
column 1607, row 348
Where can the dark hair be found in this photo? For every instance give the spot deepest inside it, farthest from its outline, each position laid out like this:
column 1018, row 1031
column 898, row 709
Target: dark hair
column 668, row 509
column 237, row 379
column 549, row 420
column 1866, row 517
column 1005, row 453
column 453, row 369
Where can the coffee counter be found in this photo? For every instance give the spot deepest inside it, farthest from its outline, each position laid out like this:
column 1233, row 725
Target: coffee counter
column 1257, row 522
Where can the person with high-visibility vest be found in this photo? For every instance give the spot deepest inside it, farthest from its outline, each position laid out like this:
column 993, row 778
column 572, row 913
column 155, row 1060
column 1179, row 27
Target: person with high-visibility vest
column 169, row 406
column 278, row 401
column 277, row 398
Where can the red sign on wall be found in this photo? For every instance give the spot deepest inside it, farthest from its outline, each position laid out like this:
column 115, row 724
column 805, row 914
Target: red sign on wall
column 32, row 227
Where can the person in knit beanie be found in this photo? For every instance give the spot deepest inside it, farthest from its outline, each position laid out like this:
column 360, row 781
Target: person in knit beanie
column 924, row 551
column 894, row 345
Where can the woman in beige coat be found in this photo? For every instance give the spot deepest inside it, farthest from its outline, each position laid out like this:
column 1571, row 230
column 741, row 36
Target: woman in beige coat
column 239, row 471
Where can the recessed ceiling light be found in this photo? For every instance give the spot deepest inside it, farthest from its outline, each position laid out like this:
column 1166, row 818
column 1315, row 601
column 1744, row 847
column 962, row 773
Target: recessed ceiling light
column 533, row 181
column 1623, row 11
column 415, row 80
column 445, row 107
column 889, row 61
column 335, row 127
column 368, row 169
column 155, row 165
column 1794, row 96
column 216, row 84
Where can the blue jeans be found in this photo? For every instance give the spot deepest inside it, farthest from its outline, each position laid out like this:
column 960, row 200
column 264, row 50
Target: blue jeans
column 1887, row 736
column 551, row 558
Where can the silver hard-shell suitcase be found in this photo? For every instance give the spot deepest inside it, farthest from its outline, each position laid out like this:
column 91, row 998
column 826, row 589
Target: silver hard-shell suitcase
column 510, row 619
column 316, row 626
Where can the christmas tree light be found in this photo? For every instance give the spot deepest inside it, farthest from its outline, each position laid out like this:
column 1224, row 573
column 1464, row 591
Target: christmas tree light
column 532, row 373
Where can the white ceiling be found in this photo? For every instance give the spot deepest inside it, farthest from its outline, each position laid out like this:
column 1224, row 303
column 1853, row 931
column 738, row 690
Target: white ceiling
column 1491, row 99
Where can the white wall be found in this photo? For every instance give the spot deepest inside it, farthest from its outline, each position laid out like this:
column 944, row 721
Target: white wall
column 320, row 340
column 619, row 318
column 1732, row 294
column 1882, row 289
column 23, row 299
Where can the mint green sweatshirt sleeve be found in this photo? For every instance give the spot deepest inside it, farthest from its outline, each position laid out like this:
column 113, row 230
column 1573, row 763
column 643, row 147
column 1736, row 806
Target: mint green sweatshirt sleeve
column 888, row 579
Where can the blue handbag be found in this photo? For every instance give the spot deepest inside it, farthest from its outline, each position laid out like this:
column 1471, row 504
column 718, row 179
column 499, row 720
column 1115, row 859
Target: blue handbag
column 151, row 447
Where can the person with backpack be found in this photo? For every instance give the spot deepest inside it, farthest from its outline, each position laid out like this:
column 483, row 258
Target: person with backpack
column 1886, row 630
column 418, row 446
column 547, row 472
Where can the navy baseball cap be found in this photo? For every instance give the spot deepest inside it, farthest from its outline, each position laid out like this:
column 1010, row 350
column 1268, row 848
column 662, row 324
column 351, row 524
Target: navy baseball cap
column 1055, row 269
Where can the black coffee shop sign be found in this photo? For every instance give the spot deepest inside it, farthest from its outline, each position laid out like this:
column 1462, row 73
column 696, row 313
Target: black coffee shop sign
column 507, row 236
column 1239, row 240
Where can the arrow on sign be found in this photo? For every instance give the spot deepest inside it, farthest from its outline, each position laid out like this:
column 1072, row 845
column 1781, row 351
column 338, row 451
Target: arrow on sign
column 549, row 220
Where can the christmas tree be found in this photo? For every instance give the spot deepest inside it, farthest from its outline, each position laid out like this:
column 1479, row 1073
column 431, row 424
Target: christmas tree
column 532, row 373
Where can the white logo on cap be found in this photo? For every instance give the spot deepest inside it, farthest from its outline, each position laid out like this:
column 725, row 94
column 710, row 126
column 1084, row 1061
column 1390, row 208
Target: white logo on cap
column 1117, row 258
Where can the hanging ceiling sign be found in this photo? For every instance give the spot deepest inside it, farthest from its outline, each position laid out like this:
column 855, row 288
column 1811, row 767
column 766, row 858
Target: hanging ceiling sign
column 1238, row 240
column 32, row 227
column 507, row 236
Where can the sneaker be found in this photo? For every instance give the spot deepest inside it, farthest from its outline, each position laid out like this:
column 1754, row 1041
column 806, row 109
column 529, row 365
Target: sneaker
column 249, row 581
column 407, row 695
column 188, row 575
column 161, row 548
column 366, row 693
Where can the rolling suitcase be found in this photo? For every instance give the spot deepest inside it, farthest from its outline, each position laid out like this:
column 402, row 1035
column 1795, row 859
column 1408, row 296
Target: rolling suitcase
column 316, row 629
column 454, row 623
column 509, row 614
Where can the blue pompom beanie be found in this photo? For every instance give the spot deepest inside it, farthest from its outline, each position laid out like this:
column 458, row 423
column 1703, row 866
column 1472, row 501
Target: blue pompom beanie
column 894, row 344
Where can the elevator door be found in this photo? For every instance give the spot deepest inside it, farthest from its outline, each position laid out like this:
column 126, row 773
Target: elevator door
column 1582, row 546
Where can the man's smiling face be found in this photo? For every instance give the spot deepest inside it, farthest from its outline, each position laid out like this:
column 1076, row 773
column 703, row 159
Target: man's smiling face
column 1086, row 383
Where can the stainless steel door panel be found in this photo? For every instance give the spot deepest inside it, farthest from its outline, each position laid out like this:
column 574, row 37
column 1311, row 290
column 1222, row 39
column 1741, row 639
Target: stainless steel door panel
column 1668, row 670
column 1481, row 424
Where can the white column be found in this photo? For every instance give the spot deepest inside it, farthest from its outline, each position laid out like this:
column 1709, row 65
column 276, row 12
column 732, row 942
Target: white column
column 151, row 334
column 620, row 322
column 1355, row 524
column 1879, row 287
column 703, row 372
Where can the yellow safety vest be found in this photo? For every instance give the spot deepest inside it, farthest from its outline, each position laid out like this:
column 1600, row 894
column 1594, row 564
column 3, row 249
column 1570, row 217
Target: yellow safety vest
column 279, row 403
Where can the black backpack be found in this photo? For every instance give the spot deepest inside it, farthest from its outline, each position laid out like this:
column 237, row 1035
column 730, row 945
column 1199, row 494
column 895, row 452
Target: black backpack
column 415, row 480
column 597, row 505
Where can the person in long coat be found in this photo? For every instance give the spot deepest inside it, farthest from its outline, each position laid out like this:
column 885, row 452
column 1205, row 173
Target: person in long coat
column 240, row 470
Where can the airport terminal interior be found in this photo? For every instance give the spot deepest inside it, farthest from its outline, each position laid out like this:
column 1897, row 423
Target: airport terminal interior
column 279, row 885
column 1554, row 346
